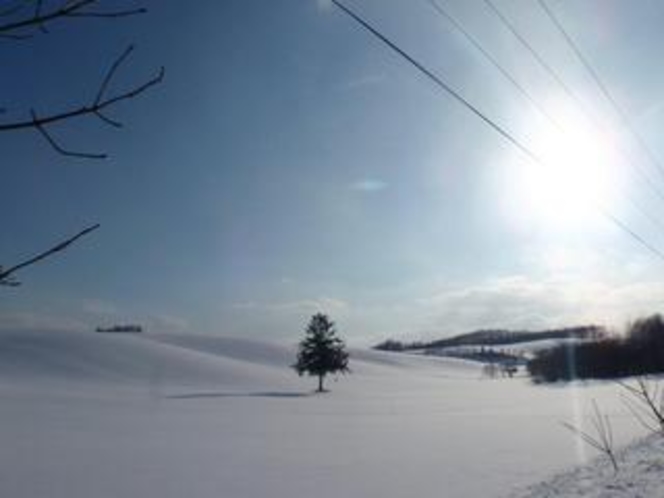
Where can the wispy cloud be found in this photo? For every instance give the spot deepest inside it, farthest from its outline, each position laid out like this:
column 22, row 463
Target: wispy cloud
column 364, row 81
column 302, row 306
column 521, row 302
column 368, row 185
column 324, row 5
column 322, row 304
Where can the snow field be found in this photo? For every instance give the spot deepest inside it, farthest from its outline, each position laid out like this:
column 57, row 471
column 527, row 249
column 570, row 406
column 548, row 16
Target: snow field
column 86, row 415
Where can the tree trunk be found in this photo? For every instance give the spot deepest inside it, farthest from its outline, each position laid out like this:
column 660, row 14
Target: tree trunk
column 320, row 383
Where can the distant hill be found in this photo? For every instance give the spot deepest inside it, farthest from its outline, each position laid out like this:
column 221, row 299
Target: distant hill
column 71, row 360
column 495, row 337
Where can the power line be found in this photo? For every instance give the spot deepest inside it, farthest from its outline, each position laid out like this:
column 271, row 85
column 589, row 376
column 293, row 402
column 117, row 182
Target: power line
column 542, row 62
column 623, row 226
column 571, row 95
column 438, row 7
column 440, row 83
column 476, row 43
column 487, row 120
column 600, row 84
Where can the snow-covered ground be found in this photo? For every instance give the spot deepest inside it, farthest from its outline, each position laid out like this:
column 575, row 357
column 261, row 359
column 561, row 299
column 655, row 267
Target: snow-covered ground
column 641, row 467
column 110, row 415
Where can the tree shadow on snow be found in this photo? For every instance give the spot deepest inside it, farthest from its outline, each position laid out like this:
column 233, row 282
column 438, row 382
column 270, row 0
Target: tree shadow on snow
column 260, row 394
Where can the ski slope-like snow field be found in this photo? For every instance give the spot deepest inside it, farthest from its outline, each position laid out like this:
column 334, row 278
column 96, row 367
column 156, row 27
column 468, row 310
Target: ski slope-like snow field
column 157, row 415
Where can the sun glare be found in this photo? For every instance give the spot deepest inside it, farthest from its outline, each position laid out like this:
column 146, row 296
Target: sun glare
column 578, row 177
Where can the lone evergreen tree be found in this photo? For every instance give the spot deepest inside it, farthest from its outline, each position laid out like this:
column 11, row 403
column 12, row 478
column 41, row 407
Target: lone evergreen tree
column 321, row 351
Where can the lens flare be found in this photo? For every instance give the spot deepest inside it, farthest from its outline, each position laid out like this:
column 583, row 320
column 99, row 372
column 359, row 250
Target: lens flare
column 578, row 177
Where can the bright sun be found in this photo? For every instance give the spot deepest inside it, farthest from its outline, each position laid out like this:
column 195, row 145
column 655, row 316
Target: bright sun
column 578, row 179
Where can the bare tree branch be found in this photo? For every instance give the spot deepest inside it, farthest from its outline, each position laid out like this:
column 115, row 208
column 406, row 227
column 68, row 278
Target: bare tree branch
column 6, row 276
column 109, row 76
column 13, row 9
column 10, row 281
column 20, row 19
column 101, row 102
column 109, row 15
column 107, row 120
column 646, row 402
column 58, row 147
column 77, row 8
column 10, row 11
column 38, row 10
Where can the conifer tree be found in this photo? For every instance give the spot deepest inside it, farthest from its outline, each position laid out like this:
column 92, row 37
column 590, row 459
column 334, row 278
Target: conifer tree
column 321, row 352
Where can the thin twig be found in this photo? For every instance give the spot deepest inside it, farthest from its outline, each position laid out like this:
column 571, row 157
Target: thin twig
column 38, row 9
column 9, row 282
column 602, row 441
column 71, row 9
column 61, row 150
column 650, row 402
column 640, row 413
column 96, row 108
column 107, row 120
column 109, row 75
column 6, row 276
column 111, row 15
column 85, row 109
column 11, row 10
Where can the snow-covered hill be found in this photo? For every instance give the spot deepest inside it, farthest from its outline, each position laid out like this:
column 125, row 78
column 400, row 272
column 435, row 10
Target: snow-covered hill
column 173, row 359
column 153, row 415
column 125, row 359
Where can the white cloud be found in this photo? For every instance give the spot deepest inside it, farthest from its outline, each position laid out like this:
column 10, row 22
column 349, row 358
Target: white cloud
column 322, row 304
column 514, row 302
column 520, row 302
column 302, row 306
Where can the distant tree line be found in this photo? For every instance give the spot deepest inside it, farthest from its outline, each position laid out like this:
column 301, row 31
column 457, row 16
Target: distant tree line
column 481, row 354
column 639, row 352
column 496, row 337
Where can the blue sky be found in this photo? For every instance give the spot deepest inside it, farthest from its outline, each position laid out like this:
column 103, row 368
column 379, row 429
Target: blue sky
column 290, row 164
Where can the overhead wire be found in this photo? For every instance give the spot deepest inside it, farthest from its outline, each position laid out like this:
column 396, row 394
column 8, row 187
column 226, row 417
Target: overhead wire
column 644, row 175
column 476, row 43
column 445, row 13
column 540, row 60
column 622, row 115
column 503, row 132
column 439, row 82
